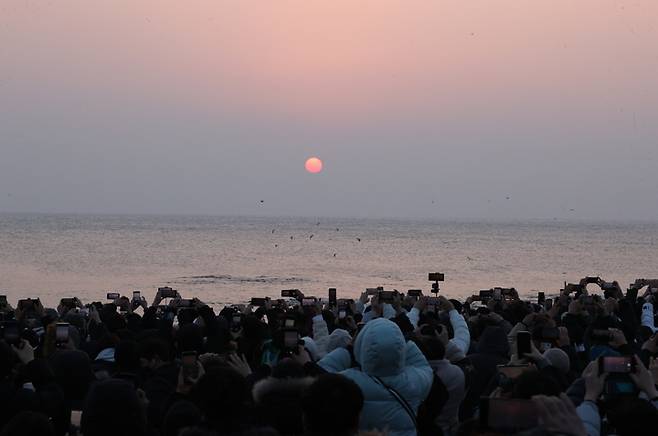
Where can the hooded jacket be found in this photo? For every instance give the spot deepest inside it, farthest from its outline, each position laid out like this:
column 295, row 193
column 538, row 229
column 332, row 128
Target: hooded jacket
column 381, row 351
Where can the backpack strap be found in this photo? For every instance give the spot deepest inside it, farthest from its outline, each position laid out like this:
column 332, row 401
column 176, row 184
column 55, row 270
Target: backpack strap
column 400, row 399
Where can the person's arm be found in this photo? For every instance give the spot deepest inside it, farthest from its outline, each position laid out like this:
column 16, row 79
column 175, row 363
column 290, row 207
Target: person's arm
column 462, row 337
column 646, row 318
column 336, row 361
column 320, row 334
column 588, row 412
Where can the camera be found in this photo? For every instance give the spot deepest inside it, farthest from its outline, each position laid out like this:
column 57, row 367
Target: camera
column 590, row 279
column 69, row 303
column 309, row 301
column 113, row 295
column 137, row 295
column 167, row 292
column 436, row 278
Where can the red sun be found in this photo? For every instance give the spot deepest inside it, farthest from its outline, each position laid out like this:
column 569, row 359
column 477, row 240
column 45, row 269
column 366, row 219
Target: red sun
column 313, row 165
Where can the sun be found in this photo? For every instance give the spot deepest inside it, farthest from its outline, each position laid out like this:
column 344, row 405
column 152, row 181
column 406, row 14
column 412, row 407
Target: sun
column 313, row 165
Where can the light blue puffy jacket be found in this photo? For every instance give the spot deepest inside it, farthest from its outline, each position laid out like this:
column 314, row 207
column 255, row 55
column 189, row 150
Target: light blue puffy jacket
column 381, row 351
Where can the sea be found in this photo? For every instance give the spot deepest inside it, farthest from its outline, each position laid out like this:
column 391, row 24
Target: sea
column 224, row 260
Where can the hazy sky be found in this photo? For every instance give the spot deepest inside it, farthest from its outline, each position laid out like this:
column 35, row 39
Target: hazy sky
column 417, row 108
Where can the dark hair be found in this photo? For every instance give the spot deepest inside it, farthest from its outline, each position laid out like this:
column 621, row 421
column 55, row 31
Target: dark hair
column 221, row 395
column 107, row 400
column 532, row 383
column 431, row 347
column 154, row 347
column 633, row 416
column 28, row 424
column 332, row 405
column 126, row 356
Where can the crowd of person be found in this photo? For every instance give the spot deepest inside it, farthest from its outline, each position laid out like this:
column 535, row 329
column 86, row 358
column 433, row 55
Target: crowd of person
column 390, row 363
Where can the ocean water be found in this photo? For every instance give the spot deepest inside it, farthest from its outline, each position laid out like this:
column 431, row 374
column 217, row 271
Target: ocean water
column 231, row 259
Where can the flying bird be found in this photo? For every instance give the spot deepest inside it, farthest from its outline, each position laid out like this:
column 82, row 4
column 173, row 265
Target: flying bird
column 262, row 201
column 507, row 198
column 310, row 237
column 291, row 238
column 358, row 239
column 273, row 230
column 334, row 254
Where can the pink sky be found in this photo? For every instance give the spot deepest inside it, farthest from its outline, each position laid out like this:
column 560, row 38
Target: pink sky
column 527, row 98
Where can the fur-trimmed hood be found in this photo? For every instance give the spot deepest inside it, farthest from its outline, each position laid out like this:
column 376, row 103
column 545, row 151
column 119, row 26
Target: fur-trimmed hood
column 272, row 387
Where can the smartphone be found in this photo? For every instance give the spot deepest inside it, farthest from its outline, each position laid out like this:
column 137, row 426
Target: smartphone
column 236, row 320
column 68, row 302
column 62, row 332
column 513, row 371
column 113, row 295
column 372, row 291
column 417, row 293
column 616, row 365
column 486, row 295
column 435, row 277
column 309, row 301
column 497, row 294
column 11, row 333
column 523, row 343
column 289, row 323
column 190, row 368
column 332, row 297
column 26, row 304
column 291, row 293
column 548, row 304
column 342, row 314
column 137, row 295
column 508, row 415
column 258, row 302
column 386, row 296
column 167, row 292
column 290, row 339
column 541, row 298
column 590, row 279
column 3, row 300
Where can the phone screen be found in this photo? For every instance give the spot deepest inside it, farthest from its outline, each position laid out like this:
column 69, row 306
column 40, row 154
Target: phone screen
column 289, row 322
column 509, row 414
column 137, row 295
column 290, row 339
column 62, row 333
column 523, row 343
column 342, row 314
column 332, row 296
column 617, row 364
